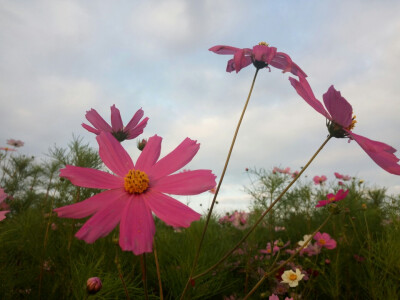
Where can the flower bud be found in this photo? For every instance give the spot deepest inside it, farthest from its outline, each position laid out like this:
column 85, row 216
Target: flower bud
column 93, row 285
column 141, row 144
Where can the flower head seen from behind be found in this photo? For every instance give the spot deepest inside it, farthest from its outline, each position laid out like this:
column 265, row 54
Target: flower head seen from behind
column 331, row 198
column 136, row 191
column 324, row 240
column 117, row 129
column 15, row 143
column 319, row 179
column 292, row 278
column 3, row 196
column 341, row 122
column 261, row 56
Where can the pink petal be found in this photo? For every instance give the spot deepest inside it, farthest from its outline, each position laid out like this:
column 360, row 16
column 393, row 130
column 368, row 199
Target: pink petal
column 381, row 153
column 304, row 90
column 97, row 121
column 169, row 210
column 91, row 178
column 224, row 49
column 113, row 154
column 264, row 53
column 150, row 154
column 3, row 195
column 175, row 160
column 90, row 129
column 230, row 66
column 103, row 222
column 296, row 70
column 91, row 205
column 340, row 195
column 138, row 130
column 116, row 121
column 241, row 60
column 137, row 227
column 135, row 120
column 322, row 203
column 186, row 183
column 282, row 61
column 3, row 214
column 340, row 110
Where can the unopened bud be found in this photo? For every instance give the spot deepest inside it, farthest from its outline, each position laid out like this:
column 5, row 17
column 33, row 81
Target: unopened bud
column 93, row 285
column 141, row 144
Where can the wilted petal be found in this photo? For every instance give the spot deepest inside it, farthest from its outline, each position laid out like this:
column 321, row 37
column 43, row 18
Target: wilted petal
column 102, row 222
column 186, row 183
column 169, row 210
column 116, row 121
column 113, row 154
column 91, row 178
column 241, row 60
column 175, row 160
column 224, row 49
column 304, row 90
column 91, row 205
column 137, row 227
column 150, row 154
column 338, row 107
column 381, row 153
column 97, row 121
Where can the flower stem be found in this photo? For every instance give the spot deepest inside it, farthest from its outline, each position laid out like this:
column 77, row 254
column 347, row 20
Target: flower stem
column 288, row 260
column 158, row 270
column 143, row 265
column 264, row 213
column 196, row 258
column 121, row 276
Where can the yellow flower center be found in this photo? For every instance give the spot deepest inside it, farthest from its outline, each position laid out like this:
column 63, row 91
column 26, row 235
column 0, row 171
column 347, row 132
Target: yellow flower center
column 292, row 277
column 136, row 182
column 353, row 123
column 331, row 199
column 322, row 241
column 263, row 44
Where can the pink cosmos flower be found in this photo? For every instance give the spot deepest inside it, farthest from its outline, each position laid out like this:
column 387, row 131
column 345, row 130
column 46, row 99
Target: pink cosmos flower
column 273, row 297
column 260, row 56
column 330, row 198
column 121, row 133
column 3, row 196
column 15, row 143
column 341, row 123
column 324, row 240
column 135, row 191
column 338, row 176
column 319, row 180
column 7, row 149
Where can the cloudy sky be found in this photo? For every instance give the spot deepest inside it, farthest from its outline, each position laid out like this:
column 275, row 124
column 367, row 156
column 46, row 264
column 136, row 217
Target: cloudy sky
column 58, row 59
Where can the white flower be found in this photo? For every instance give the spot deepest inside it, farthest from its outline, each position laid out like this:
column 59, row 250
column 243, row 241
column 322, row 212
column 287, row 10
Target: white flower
column 292, row 278
column 305, row 238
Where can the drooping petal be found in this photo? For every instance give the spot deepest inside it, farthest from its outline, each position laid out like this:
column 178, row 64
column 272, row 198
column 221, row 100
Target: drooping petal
column 338, row 107
column 138, row 130
column 91, row 178
column 296, row 70
column 90, row 206
column 341, row 194
column 97, row 121
column 135, row 120
column 304, row 90
column 381, row 153
column 186, row 183
column 149, row 155
column 322, row 203
column 241, row 60
column 90, row 129
column 169, row 210
column 116, row 121
column 3, row 214
column 113, row 154
column 137, row 227
column 175, row 160
column 263, row 53
column 282, row 61
column 224, row 49
column 102, row 222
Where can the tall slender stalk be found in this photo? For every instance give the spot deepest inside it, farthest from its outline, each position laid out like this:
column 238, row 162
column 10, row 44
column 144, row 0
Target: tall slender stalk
column 288, row 260
column 144, row 274
column 120, row 274
column 264, row 213
column 158, row 270
column 196, row 258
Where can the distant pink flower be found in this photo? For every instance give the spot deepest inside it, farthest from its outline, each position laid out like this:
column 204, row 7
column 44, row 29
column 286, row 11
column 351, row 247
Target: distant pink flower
column 135, row 191
column 340, row 183
column 346, row 177
column 338, row 176
column 260, row 56
column 341, row 123
column 324, row 240
column 280, row 228
column 359, row 258
column 93, row 285
column 239, row 219
column 7, row 149
column 319, row 179
column 121, row 133
column 3, row 196
column 15, row 143
column 295, row 174
column 330, row 198
column 273, row 297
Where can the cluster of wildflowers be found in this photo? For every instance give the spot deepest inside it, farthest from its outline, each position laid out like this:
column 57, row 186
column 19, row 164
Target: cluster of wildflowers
column 322, row 240
column 238, row 219
column 3, row 205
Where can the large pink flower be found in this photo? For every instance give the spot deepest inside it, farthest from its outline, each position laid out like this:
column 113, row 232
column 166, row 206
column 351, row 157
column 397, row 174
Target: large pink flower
column 135, row 191
column 260, row 56
column 341, row 123
column 324, row 240
column 330, row 198
column 121, row 133
column 3, row 196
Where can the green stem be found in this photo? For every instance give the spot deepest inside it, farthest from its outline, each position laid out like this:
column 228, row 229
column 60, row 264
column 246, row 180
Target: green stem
column 196, row 258
column 158, row 270
column 120, row 274
column 144, row 274
column 263, row 215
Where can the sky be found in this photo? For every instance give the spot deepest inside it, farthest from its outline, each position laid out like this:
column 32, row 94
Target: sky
column 59, row 59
